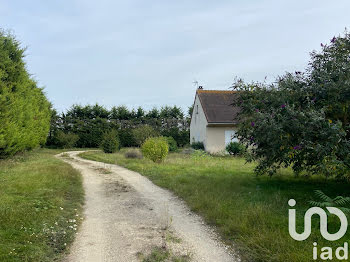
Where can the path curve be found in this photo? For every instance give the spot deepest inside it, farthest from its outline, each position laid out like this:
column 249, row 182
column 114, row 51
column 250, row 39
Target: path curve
column 126, row 215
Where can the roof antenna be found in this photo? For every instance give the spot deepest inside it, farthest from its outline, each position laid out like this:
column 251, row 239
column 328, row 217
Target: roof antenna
column 195, row 82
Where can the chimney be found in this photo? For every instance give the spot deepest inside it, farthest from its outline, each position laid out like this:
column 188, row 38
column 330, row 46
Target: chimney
column 200, row 87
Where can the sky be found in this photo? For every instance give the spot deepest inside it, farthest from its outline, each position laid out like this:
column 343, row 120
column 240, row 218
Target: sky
column 149, row 53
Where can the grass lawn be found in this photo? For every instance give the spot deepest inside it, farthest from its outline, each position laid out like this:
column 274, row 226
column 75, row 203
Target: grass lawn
column 249, row 212
column 40, row 206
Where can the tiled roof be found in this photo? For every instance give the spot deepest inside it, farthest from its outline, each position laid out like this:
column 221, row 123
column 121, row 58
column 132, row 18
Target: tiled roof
column 217, row 105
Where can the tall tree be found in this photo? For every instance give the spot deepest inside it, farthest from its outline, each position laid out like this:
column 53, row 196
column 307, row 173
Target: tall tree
column 302, row 120
column 24, row 109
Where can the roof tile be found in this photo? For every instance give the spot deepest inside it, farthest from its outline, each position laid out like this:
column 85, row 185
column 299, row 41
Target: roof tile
column 217, row 105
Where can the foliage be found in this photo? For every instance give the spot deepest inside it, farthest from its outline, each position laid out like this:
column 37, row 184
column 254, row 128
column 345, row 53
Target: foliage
column 181, row 136
column 235, row 148
column 88, row 122
column 302, row 120
column 110, row 142
column 126, row 138
column 253, row 209
column 155, row 149
column 171, row 143
column 91, row 121
column 326, row 201
column 171, row 112
column 198, row 145
column 66, row 140
column 190, row 110
column 141, row 133
column 24, row 109
column 52, row 139
column 133, row 153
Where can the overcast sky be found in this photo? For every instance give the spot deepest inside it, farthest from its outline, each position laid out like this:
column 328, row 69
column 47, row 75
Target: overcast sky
column 149, row 53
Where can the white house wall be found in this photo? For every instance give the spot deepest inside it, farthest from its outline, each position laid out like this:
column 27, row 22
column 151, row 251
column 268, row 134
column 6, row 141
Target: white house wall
column 198, row 123
column 215, row 138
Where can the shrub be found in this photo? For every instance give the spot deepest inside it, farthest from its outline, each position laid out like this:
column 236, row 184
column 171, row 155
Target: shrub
column 155, row 149
column 66, row 140
column 141, row 133
column 171, row 143
column 110, row 142
column 235, row 148
column 133, row 153
column 197, row 145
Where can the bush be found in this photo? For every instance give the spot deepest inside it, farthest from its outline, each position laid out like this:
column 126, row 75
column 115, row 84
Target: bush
column 171, row 143
column 235, row 148
column 141, row 133
column 110, row 142
column 66, row 140
column 155, row 149
column 198, row 145
column 133, row 153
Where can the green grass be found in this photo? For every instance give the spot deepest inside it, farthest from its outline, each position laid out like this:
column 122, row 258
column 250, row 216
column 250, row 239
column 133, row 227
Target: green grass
column 40, row 206
column 250, row 212
column 159, row 254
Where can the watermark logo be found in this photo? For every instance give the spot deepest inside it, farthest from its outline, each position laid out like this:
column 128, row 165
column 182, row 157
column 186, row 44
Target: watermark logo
column 341, row 253
column 323, row 222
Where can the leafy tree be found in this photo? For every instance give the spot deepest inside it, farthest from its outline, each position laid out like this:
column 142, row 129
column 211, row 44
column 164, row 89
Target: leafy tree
column 181, row 136
column 301, row 120
column 24, row 109
column 66, row 140
column 141, row 133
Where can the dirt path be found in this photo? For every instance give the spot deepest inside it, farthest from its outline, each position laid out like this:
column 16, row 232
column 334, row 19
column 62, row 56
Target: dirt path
column 126, row 216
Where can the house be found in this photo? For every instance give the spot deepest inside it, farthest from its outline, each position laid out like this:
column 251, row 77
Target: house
column 213, row 119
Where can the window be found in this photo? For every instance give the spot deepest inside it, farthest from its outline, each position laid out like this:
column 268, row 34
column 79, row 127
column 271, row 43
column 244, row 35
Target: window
column 229, row 136
column 197, row 110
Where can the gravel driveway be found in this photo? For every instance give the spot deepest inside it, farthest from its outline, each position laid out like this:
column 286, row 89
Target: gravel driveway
column 126, row 216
